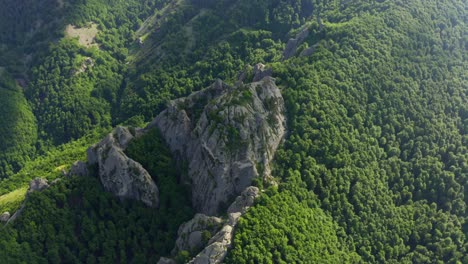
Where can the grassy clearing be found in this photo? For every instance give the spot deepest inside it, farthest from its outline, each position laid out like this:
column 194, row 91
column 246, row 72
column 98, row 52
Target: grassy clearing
column 85, row 35
column 10, row 202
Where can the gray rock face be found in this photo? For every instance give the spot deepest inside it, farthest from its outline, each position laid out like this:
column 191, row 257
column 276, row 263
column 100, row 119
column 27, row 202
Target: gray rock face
column 166, row 261
column 4, row 217
column 227, row 135
column 191, row 234
column 221, row 242
column 118, row 173
column 79, row 168
column 294, row 43
column 38, row 185
column 260, row 72
column 242, row 203
column 309, row 51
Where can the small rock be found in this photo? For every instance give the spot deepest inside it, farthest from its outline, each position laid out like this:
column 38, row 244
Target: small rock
column 38, row 185
column 55, row 181
column 163, row 260
column 5, row 216
column 260, row 72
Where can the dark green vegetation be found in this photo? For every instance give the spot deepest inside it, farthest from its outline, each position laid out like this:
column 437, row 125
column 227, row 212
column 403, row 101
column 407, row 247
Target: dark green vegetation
column 17, row 127
column 375, row 164
column 76, row 221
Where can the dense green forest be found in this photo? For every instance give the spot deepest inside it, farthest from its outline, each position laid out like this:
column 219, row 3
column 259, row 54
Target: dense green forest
column 374, row 167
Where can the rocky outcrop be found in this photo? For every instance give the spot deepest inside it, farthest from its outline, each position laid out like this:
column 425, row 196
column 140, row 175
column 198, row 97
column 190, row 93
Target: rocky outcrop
column 35, row 185
column 215, row 249
column 88, row 63
column 294, row 43
column 5, row 217
column 38, row 185
column 79, row 168
column 221, row 242
column 166, row 261
column 309, row 51
column 227, row 135
column 194, row 234
column 260, row 71
column 118, row 173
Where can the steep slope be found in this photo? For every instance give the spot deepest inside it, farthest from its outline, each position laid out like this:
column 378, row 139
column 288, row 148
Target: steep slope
column 373, row 168
column 17, row 127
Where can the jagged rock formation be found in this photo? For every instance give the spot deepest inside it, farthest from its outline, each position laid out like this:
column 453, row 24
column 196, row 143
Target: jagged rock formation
column 118, row 173
column 219, row 244
column 227, row 135
column 294, row 43
column 215, row 249
column 191, row 235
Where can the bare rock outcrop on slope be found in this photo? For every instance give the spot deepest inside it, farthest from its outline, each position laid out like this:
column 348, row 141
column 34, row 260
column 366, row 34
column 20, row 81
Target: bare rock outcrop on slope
column 227, row 136
column 118, row 173
column 219, row 244
column 294, row 43
column 192, row 234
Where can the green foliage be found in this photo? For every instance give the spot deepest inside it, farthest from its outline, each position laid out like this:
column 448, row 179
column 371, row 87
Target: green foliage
column 17, row 128
column 10, row 202
column 182, row 257
column 76, row 221
column 68, row 99
column 281, row 229
column 374, row 165
column 372, row 137
column 151, row 152
column 50, row 165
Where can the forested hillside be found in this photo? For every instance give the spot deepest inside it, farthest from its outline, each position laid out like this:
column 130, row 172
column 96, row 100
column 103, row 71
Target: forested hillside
column 373, row 169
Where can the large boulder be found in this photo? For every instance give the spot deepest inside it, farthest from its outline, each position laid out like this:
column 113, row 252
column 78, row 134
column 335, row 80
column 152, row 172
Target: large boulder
column 227, row 136
column 118, row 173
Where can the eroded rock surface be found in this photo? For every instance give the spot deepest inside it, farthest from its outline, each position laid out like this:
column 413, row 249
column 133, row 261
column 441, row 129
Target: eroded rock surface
column 192, row 235
column 227, row 136
column 38, row 185
column 294, row 43
column 118, row 173
column 221, row 242
column 79, row 168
